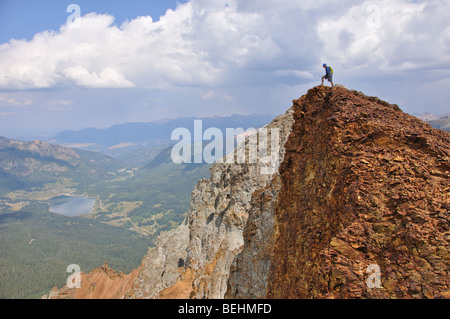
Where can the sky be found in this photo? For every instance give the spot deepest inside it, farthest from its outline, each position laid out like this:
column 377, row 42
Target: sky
column 95, row 63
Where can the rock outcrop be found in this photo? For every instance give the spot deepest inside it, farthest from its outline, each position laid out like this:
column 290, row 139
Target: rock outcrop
column 217, row 216
column 364, row 188
column 359, row 207
column 162, row 266
column 100, row 283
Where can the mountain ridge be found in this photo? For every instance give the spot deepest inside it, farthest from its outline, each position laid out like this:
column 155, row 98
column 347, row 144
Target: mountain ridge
column 154, row 132
column 35, row 163
column 360, row 184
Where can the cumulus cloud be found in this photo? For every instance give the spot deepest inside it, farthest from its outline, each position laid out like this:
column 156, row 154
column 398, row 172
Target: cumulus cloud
column 388, row 37
column 108, row 78
column 200, row 43
column 210, row 43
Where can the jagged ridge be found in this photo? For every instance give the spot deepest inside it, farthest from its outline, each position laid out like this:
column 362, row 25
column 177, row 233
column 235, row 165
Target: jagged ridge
column 360, row 183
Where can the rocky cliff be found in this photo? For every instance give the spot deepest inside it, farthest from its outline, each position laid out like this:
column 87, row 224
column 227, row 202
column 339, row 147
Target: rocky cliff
column 359, row 207
column 100, row 283
column 194, row 260
column 363, row 186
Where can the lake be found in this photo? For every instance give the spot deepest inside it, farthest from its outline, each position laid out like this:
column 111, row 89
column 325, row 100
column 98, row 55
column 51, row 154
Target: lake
column 71, row 206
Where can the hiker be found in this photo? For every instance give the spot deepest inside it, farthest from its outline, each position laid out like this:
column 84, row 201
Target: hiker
column 328, row 74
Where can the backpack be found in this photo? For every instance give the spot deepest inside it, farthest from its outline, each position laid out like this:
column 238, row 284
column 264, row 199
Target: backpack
column 331, row 70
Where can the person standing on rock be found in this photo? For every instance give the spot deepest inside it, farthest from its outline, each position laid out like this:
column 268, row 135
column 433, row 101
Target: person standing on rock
column 328, row 74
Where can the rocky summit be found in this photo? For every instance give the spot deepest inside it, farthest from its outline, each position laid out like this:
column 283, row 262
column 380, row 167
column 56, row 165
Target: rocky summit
column 358, row 207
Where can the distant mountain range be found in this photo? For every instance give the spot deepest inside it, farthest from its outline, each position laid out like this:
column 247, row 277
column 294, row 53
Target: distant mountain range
column 27, row 165
column 437, row 121
column 443, row 123
column 152, row 133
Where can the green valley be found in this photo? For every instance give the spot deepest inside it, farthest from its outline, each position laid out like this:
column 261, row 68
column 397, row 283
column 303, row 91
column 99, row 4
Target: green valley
column 133, row 205
column 139, row 192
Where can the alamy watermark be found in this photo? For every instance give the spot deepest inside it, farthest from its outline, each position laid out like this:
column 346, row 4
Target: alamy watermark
column 236, row 146
column 76, row 12
column 374, row 15
column 374, row 279
column 74, row 280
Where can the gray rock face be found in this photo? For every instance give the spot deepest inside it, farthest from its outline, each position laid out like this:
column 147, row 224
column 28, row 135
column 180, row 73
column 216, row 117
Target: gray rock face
column 250, row 269
column 162, row 265
column 218, row 214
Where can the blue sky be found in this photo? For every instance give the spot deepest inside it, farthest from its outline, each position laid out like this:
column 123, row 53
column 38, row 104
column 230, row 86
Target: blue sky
column 129, row 61
column 24, row 18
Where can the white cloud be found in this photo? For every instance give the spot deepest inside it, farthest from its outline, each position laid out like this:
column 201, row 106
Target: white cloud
column 93, row 52
column 214, row 95
column 208, row 95
column 59, row 102
column 296, row 73
column 219, row 46
column 8, row 99
column 387, row 37
column 108, row 78
column 200, row 43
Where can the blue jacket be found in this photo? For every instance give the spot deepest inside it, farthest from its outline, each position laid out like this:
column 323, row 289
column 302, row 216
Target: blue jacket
column 327, row 70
